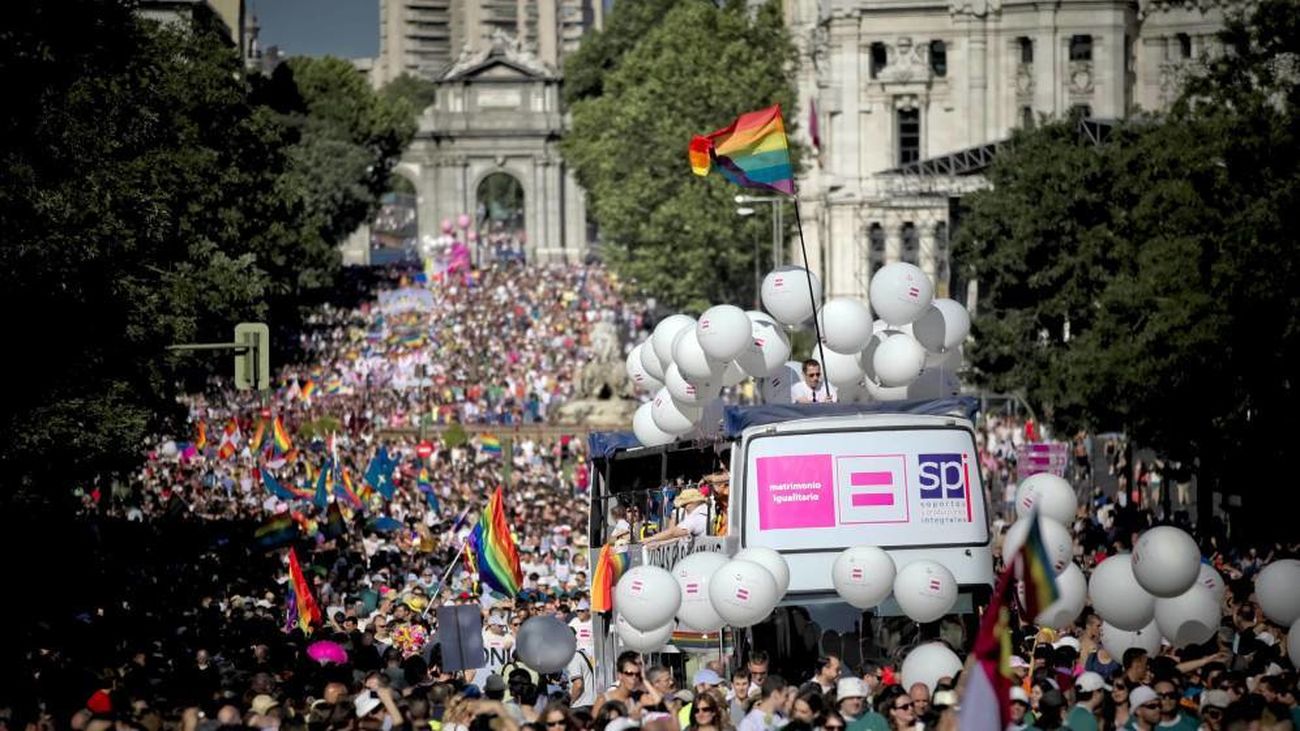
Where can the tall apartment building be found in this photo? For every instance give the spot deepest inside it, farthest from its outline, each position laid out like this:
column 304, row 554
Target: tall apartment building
column 424, row 37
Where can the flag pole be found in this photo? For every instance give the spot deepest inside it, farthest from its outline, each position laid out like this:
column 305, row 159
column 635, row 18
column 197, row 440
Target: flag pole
column 812, row 297
column 442, row 583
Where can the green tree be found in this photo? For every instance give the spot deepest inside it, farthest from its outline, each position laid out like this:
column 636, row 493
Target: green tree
column 1150, row 284
column 585, row 70
column 419, row 94
column 677, row 236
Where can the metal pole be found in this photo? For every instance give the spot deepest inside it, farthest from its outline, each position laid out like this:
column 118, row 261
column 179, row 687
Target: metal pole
column 776, row 243
column 780, row 228
column 758, row 277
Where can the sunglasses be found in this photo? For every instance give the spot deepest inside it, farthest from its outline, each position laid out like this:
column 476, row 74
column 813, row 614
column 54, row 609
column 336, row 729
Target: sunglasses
column 1171, row 695
column 1119, row 686
column 904, row 707
column 631, row 673
column 1152, row 706
column 834, row 727
column 556, row 724
column 1212, row 712
column 704, row 709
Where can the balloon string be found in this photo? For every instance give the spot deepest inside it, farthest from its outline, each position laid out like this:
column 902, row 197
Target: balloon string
column 812, row 297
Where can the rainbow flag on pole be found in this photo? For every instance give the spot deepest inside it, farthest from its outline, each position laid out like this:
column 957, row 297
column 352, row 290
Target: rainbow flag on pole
column 609, row 568
column 300, row 595
column 495, row 554
column 751, row 152
column 491, row 444
column 1036, row 571
column 281, row 436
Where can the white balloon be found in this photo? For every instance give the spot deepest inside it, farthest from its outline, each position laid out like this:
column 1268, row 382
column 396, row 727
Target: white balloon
column 769, row 347
column 673, row 417
column 840, row 369
column 898, row 360
column 1166, row 561
column 743, row 593
column 637, row 640
column 880, row 393
column 863, row 575
column 925, row 590
column 845, row 323
column 1118, row 597
column 1277, row 588
column 785, row 294
column 770, row 560
column 693, row 574
column 733, row 374
column 650, row 361
column 1051, row 494
column 1056, row 539
column 775, row 387
column 665, row 333
column 692, row 392
column 647, row 597
column 1189, row 618
column 637, row 373
column 1117, row 640
column 943, row 326
column 723, row 331
column 1212, row 580
column 900, row 293
column 647, row 432
column 545, row 644
column 691, row 359
column 169, row 449
column 928, row 664
column 1073, row 587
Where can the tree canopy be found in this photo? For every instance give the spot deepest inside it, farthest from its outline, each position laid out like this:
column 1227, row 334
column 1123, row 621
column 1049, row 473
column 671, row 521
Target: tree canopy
column 150, row 196
column 1150, row 284
column 693, row 71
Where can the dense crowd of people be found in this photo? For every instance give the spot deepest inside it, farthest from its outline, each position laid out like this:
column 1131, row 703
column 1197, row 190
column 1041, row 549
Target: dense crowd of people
column 209, row 643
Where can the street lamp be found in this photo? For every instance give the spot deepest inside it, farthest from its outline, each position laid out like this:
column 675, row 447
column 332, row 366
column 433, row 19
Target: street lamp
column 746, row 211
column 778, row 219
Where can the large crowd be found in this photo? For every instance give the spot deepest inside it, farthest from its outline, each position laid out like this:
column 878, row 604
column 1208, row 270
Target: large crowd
column 494, row 349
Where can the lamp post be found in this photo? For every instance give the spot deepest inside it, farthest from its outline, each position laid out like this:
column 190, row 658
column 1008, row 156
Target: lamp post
column 746, row 211
column 778, row 220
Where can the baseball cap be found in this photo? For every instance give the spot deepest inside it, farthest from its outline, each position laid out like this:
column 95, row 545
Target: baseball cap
column 850, row 688
column 1018, row 663
column 1018, row 695
column 685, row 696
column 1216, row 698
column 621, row 724
column 1067, row 641
column 263, row 703
column 495, row 683
column 583, row 605
column 944, row 699
column 1091, row 681
column 1140, row 696
column 366, row 702
column 706, row 676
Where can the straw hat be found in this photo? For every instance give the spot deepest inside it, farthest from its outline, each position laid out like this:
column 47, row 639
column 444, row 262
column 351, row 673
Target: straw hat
column 689, row 496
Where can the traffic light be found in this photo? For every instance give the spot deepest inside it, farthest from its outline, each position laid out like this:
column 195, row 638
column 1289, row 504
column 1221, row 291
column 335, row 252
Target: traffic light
column 253, row 361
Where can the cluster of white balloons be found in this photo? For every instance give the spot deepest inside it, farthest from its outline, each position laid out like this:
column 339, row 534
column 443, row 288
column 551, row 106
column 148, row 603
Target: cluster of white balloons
column 864, row 576
column 686, row 362
column 704, row 592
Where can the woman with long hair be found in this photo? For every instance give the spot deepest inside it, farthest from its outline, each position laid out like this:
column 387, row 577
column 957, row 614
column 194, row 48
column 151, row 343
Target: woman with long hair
column 558, row 717
column 1114, row 709
column 830, row 720
column 708, row 713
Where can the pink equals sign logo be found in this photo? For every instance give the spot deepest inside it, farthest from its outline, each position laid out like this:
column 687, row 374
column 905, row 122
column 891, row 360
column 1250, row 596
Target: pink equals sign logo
column 692, row 588
column 637, row 586
column 856, row 573
column 914, row 292
column 936, row 586
column 742, row 594
column 872, row 498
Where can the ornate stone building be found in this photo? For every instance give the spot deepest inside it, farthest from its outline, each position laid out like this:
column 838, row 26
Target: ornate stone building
column 913, row 96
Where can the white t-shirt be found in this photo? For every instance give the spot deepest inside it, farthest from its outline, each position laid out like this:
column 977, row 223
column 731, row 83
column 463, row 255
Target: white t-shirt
column 696, row 522
column 801, row 392
column 581, row 667
column 582, row 630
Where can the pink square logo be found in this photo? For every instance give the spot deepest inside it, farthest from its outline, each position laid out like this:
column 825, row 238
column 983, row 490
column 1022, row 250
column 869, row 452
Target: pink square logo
column 796, row 491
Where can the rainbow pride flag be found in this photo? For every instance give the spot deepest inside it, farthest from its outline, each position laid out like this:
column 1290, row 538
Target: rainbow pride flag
column 276, row 532
column 201, row 440
column 307, row 390
column 691, row 641
column 495, row 553
column 609, row 568
column 344, row 488
column 300, row 594
column 280, row 435
column 751, row 152
column 490, row 444
column 1036, row 571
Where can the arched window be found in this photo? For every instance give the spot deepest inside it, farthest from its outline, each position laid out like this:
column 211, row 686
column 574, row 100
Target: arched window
column 876, row 246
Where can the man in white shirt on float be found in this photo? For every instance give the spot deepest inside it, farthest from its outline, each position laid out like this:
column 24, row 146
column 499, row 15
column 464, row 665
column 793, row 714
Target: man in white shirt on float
column 694, row 523
column 812, row 389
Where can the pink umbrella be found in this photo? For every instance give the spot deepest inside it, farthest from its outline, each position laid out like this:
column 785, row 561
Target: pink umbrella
column 325, row 651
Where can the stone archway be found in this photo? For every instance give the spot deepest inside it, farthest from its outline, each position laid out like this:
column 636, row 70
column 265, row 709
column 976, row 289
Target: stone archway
column 499, row 216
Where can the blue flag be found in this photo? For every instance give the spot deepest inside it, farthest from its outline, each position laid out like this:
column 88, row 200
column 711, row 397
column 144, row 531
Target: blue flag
column 322, row 486
column 380, row 473
column 274, row 487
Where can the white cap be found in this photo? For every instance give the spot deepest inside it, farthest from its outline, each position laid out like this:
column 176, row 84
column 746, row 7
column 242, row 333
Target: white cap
column 366, row 702
column 1018, row 695
column 622, row 723
column 1067, row 641
column 850, row 688
column 1140, row 696
column 1090, row 681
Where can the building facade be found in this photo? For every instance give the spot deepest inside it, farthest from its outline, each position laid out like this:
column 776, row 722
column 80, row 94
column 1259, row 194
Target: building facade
column 913, row 96
column 424, row 37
